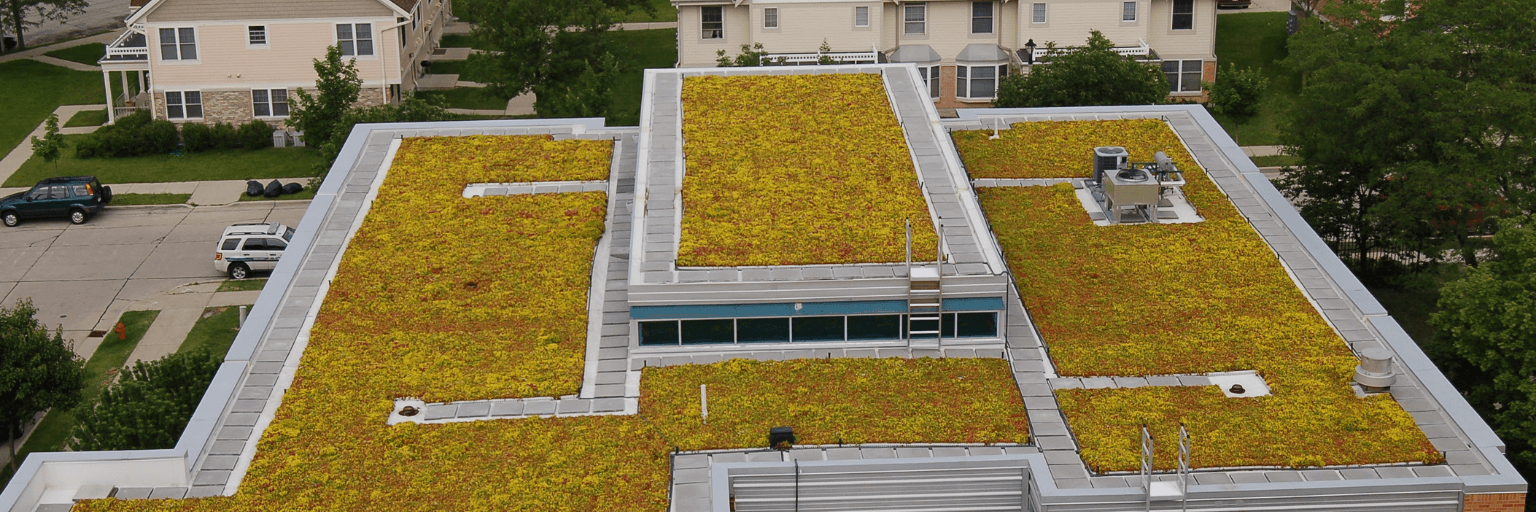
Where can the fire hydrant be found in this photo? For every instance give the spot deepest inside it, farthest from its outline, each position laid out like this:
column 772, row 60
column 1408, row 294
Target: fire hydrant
column 121, row 330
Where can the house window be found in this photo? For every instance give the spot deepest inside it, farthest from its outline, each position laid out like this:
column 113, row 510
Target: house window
column 930, row 77
column 184, row 104
column 178, row 44
column 415, row 17
column 258, row 35
column 916, row 18
column 270, row 102
column 771, row 17
column 1183, row 75
column 1039, row 13
column 1183, row 14
column 807, row 329
column 355, row 39
column 981, row 17
column 712, row 22
column 400, row 31
column 861, row 16
column 1128, row 11
column 978, row 82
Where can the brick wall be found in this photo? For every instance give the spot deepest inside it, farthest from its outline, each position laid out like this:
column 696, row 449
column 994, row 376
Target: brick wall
column 1501, row 502
column 233, row 107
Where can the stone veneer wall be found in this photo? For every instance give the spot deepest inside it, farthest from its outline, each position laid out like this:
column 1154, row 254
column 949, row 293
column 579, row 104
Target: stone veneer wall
column 234, row 107
column 1502, row 502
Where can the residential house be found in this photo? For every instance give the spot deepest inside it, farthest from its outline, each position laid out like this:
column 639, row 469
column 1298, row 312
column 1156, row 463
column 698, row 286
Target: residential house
column 961, row 48
column 220, row 61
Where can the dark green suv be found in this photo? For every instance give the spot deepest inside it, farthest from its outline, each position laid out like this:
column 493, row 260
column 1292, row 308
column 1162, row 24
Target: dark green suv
column 75, row 197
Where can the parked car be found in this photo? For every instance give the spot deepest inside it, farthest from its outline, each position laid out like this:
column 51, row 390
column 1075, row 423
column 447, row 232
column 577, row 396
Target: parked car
column 245, row 248
column 74, row 197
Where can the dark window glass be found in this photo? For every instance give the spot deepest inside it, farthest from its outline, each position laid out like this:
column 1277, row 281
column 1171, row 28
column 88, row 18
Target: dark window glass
column 961, row 89
column 230, row 244
column 258, row 34
column 254, row 244
column 712, row 22
column 933, row 82
column 1191, row 80
column 194, row 104
column 708, row 331
column 82, row 191
column 948, row 325
column 168, row 44
column 262, row 105
column 762, row 330
column 658, row 333
column 1171, row 71
column 364, row 38
column 173, row 108
column 1038, row 14
column 274, row 244
column 976, row 325
column 983, row 81
column 885, row 327
column 1128, row 11
column 981, row 17
column 279, row 102
column 1183, row 14
column 188, row 44
column 818, row 328
column 916, row 18
column 917, row 325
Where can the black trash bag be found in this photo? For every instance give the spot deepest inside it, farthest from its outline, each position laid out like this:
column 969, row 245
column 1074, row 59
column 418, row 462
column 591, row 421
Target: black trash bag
column 293, row 188
column 274, row 189
column 253, row 188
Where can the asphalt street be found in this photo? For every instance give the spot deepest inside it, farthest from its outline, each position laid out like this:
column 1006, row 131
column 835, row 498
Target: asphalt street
column 82, row 277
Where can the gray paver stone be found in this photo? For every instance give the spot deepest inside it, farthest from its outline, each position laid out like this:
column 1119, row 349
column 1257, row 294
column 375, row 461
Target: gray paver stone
column 474, row 410
column 539, row 407
column 441, row 411
column 133, row 493
column 507, row 408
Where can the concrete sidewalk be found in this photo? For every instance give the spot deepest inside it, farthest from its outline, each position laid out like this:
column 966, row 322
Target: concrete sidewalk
column 19, row 154
column 180, row 310
column 1253, row 151
column 38, row 51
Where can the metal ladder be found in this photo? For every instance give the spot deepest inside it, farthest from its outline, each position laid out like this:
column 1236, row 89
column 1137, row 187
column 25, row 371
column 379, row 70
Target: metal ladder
column 925, row 299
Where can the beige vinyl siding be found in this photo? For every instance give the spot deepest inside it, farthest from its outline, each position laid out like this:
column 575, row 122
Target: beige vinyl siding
column 803, row 27
column 1069, row 22
column 887, row 19
column 203, row 10
column 226, row 62
column 1199, row 43
column 697, row 52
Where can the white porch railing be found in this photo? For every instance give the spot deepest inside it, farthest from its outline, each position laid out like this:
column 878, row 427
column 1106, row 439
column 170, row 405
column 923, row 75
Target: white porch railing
column 1141, row 50
column 120, row 46
column 870, row 57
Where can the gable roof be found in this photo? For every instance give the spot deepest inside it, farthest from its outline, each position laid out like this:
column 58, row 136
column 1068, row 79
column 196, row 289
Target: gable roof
column 401, row 8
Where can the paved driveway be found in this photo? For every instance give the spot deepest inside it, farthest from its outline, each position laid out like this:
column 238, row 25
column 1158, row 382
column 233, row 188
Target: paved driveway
column 83, row 277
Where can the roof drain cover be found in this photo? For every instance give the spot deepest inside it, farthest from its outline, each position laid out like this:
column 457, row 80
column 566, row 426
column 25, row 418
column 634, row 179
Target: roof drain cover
column 1374, row 374
column 407, row 410
column 1241, row 384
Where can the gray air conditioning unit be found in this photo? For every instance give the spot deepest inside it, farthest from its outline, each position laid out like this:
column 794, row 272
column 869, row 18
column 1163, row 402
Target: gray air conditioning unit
column 1108, row 159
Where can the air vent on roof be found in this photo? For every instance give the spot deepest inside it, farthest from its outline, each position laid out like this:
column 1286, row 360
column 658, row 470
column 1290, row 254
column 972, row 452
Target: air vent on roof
column 1374, row 373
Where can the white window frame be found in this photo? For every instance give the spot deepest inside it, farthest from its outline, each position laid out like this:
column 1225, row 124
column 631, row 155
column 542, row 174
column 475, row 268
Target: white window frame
column 180, row 46
column 1128, row 11
column 705, row 32
column 931, row 81
column 250, row 36
column 991, row 17
column 771, row 14
column 182, row 103
column 1176, row 82
column 907, row 22
column 963, row 80
column 1038, row 13
column 1174, row 16
column 861, row 10
column 373, row 49
column 270, row 104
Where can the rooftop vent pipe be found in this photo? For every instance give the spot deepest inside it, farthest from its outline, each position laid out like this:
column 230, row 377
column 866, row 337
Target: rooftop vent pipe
column 1374, row 374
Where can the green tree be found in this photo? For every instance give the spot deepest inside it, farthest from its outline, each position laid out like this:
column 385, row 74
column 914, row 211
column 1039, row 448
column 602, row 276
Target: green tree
column 38, row 371
column 337, row 86
column 410, row 110
column 52, row 145
column 1487, row 327
column 1089, row 75
column 1411, row 129
column 149, row 406
column 749, row 56
column 1237, row 91
column 19, row 15
column 557, row 48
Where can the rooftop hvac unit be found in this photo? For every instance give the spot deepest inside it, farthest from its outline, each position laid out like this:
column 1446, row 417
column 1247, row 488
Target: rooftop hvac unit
column 1108, row 158
column 1127, row 189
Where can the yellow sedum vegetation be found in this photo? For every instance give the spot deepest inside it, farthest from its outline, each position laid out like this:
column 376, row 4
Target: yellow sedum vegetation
column 1138, row 300
column 838, row 400
column 796, row 170
column 447, row 298
column 1059, row 149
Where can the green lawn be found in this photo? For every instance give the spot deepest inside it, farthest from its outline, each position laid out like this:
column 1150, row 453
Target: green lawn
column 458, row 67
column 1275, row 160
column 242, row 285
column 53, row 432
column 87, row 118
column 1257, row 40
column 664, row 12
column 475, row 98
column 228, row 164
column 638, row 49
column 141, row 199
column 30, row 90
column 455, row 41
column 215, row 331
column 86, row 54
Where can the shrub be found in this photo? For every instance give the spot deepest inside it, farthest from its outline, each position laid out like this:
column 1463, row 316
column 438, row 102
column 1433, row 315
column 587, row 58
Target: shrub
column 224, row 136
column 132, row 135
column 159, row 137
column 256, row 134
column 1237, row 91
column 149, row 406
column 196, row 137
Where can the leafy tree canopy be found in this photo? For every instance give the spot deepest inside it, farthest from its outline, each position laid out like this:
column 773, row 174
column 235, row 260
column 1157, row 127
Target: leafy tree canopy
column 560, row 51
column 38, row 370
column 149, row 406
column 1085, row 76
column 337, row 87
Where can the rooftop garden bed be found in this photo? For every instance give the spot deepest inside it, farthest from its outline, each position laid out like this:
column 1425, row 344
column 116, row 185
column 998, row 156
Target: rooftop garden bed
column 1185, row 298
column 831, row 401
column 796, row 170
column 1060, row 149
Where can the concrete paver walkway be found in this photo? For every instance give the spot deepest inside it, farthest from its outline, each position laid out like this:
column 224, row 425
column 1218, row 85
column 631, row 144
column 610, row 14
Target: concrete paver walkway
column 180, row 309
column 1253, row 151
column 66, row 63
column 38, row 51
